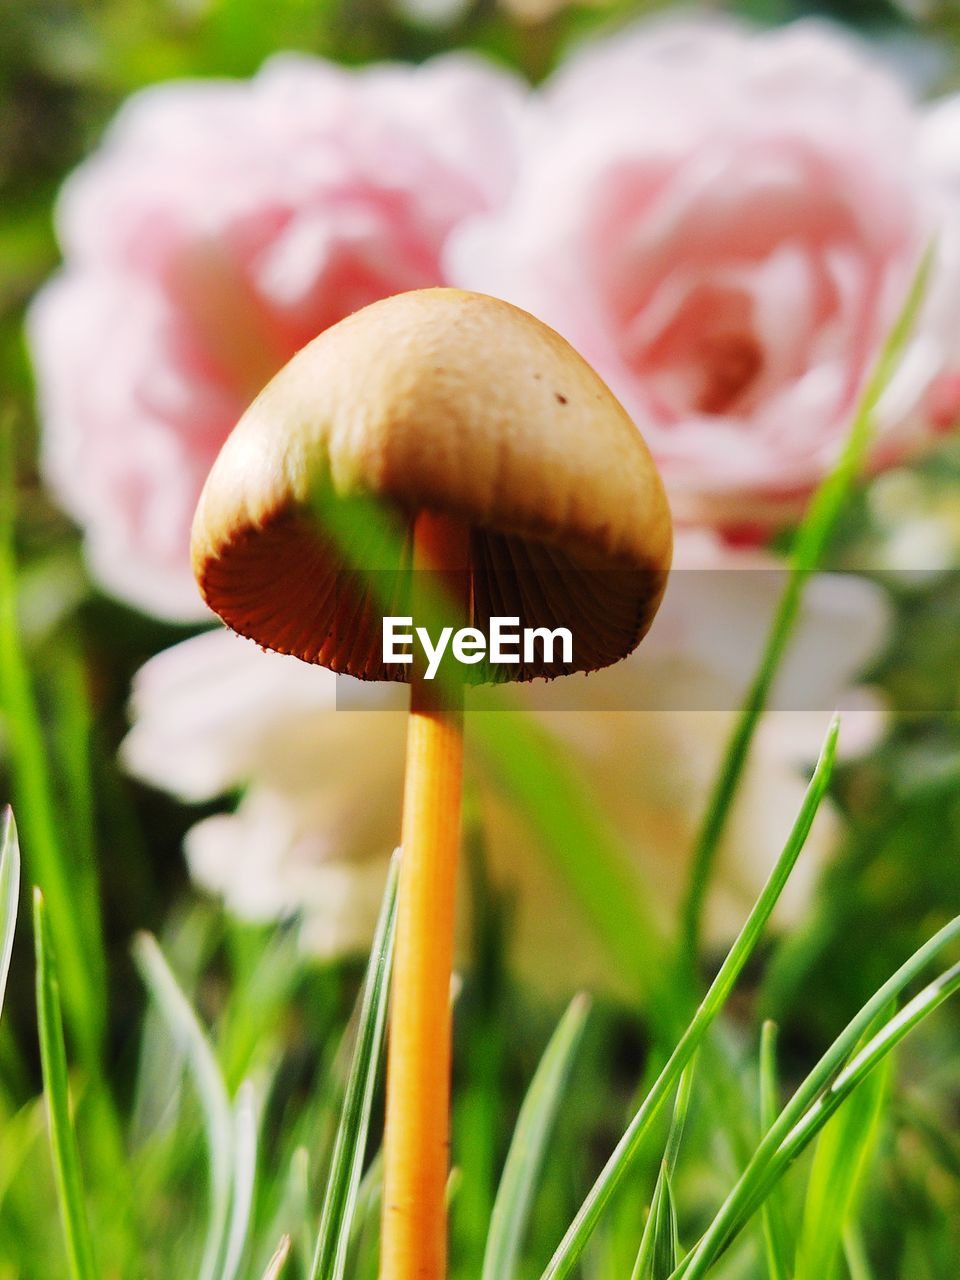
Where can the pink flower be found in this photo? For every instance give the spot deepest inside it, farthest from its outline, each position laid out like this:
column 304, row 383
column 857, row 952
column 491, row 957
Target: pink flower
column 219, row 227
column 725, row 223
column 940, row 156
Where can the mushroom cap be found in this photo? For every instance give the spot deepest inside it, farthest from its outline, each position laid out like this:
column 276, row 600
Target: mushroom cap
column 459, row 404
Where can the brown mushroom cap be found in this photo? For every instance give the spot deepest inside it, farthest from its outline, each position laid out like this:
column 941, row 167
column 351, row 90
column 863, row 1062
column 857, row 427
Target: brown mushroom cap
column 456, row 403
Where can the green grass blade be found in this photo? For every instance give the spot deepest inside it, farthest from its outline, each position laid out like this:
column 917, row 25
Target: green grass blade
column 576, row 837
column 855, row 1255
column 858, row 1064
column 660, row 1245
column 187, row 1033
column 244, row 1178
column 72, row 737
column 34, row 794
column 680, row 1109
column 616, row 1168
column 809, row 545
column 369, row 1197
column 284, row 1208
column 776, row 1238
column 63, row 1140
column 9, row 894
column 189, row 939
column 843, row 1153
column 346, row 1166
column 832, row 1080
column 279, row 1260
column 858, row 1069
column 524, row 1161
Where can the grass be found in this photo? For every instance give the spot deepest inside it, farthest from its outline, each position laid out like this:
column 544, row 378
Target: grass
column 78, row 1239
column 33, row 790
column 841, row 1103
column 346, row 1164
column 617, row 1167
column 524, row 1163
column 185, row 1032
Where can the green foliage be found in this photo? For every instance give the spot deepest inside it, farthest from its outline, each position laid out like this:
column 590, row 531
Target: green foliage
column 77, row 931
column 779, row 1252
column 659, row 1245
column 63, row 1138
column 836, row 1076
column 659, row 1251
column 842, row 1099
column 340, row 1202
column 617, row 1166
column 843, row 1152
column 228, row 1176
column 577, row 838
column 525, row 1158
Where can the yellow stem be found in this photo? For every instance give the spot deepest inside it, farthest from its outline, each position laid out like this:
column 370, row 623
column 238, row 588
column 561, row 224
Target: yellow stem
column 416, row 1143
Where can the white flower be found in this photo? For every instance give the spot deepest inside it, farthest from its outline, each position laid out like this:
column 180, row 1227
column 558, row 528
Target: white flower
column 320, row 809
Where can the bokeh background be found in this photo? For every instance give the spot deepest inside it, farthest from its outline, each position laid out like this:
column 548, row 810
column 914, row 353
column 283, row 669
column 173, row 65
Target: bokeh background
column 232, row 811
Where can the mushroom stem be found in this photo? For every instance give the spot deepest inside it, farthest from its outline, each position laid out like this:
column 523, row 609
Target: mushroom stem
column 416, row 1142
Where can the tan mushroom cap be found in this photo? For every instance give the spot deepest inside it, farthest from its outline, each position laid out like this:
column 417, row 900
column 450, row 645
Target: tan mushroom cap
column 456, row 403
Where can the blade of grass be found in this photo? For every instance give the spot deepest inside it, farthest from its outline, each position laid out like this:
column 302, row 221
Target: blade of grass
column 9, row 894
column 187, row 1033
column 33, row 789
column 244, row 1178
column 279, row 1260
column 833, row 1079
column 659, row 1249
column 369, row 1195
column 346, row 1166
column 839, row 1163
column 846, row 1084
column 810, row 543
column 63, row 1141
column 290, row 1214
column 857, row 1070
column 71, row 763
column 576, row 837
column 616, row 1168
column 679, row 1120
column 260, row 994
column 366, row 1221
column 524, row 1161
column 776, row 1237
column 660, row 1245
column 855, row 1255
column 20, row 1134
column 72, row 739
column 190, row 937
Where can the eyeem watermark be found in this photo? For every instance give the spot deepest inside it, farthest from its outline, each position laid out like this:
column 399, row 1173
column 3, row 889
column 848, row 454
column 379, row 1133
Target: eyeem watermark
column 505, row 642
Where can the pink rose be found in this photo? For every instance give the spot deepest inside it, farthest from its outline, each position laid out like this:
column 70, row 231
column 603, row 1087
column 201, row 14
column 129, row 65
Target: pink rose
column 940, row 157
column 219, row 227
column 726, row 223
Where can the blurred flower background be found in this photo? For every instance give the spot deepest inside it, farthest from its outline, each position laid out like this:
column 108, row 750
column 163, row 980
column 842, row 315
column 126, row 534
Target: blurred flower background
column 723, row 208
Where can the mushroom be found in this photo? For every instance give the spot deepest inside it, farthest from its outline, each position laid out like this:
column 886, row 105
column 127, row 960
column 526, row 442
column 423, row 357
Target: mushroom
column 450, row 432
